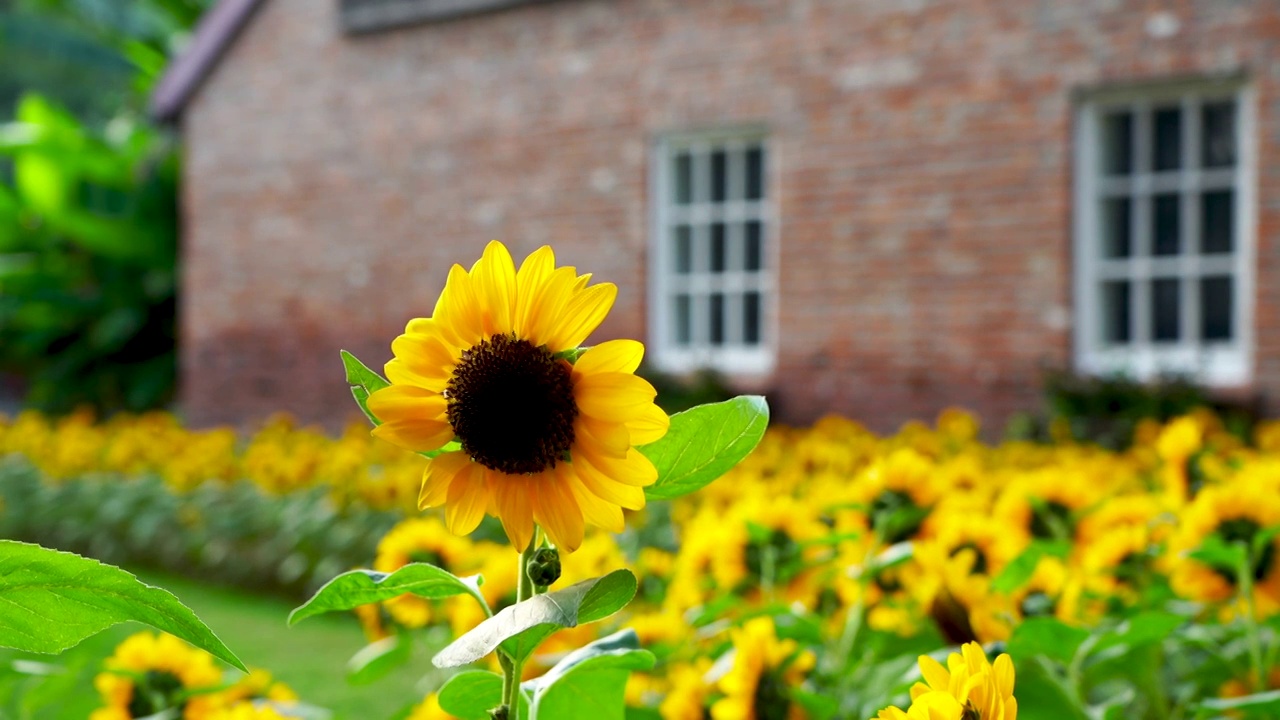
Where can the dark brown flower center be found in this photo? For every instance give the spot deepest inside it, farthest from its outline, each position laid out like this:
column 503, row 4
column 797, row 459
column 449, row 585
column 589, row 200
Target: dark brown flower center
column 511, row 405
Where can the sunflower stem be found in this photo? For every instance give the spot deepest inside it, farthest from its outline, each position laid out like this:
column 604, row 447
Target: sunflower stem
column 524, row 590
column 1244, row 573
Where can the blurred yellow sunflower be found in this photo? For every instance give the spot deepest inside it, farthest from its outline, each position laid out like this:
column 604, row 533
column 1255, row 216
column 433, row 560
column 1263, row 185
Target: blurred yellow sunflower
column 765, row 669
column 152, row 673
column 543, row 439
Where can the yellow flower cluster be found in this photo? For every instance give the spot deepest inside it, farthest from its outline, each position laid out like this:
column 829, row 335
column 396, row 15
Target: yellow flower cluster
column 907, row 531
column 926, row 528
column 279, row 458
column 150, row 674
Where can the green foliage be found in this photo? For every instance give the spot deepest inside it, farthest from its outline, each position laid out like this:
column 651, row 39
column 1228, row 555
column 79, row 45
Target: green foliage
column 1107, row 410
column 471, row 694
column 53, row 600
column 379, row 658
column 705, row 443
column 362, row 587
column 539, row 616
column 597, row 671
column 232, row 534
column 88, row 234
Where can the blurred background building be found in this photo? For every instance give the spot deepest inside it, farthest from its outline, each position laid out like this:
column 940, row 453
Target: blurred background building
column 876, row 207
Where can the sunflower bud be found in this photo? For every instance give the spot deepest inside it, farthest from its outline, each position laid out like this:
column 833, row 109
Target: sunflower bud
column 499, row 713
column 544, row 569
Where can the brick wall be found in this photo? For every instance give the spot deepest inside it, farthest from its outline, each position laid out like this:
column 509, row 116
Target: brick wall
column 921, row 162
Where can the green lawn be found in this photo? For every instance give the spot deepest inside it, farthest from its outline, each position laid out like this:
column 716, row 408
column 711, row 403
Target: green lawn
column 311, row 657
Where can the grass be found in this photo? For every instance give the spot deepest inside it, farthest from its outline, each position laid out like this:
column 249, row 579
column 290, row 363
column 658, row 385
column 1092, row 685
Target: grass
column 310, row 657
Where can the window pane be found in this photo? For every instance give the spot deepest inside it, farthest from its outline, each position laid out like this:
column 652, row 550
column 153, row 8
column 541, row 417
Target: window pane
column 1215, row 308
column 1218, row 134
column 1115, row 312
column 683, row 320
column 752, row 258
column 1166, row 153
column 1117, row 143
column 684, row 249
column 683, row 185
column 719, row 175
column 1116, row 227
column 751, row 318
column 1217, row 224
column 755, row 173
column 717, row 319
column 1164, row 310
column 1165, row 222
column 719, row 251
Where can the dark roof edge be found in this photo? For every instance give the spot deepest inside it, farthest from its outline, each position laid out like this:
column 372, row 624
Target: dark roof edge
column 213, row 36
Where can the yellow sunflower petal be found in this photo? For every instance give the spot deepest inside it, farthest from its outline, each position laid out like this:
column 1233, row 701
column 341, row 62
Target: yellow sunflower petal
column 415, row 435
column 548, row 300
column 407, row 402
column 533, row 274
column 606, row 488
column 438, row 475
column 596, row 511
column 611, row 356
column 933, row 672
column 1002, row 671
column 617, row 397
column 459, row 311
column 494, row 278
column 468, row 498
column 582, row 315
column 606, row 438
column 556, row 510
column 634, row 469
column 514, row 506
column 401, row 373
column 649, row 426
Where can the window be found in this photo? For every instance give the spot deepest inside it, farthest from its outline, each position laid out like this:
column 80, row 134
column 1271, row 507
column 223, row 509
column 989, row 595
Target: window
column 1164, row 234
column 711, row 269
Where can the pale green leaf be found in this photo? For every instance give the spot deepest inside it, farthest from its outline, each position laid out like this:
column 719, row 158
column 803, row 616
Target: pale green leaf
column 704, row 443
column 53, row 600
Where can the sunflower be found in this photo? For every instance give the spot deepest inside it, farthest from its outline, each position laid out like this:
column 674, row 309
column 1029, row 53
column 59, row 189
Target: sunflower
column 968, row 687
column 687, row 698
column 151, row 673
column 540, row 438
column 429, row 709
column 758, row 687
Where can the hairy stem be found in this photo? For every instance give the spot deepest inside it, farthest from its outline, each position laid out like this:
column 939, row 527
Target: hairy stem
column 524, row 590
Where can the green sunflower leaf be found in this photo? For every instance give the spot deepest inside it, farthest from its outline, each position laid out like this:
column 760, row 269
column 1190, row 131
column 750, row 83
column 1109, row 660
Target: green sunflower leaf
column 471, row 694
column 53, row 600
column 519, row 629
column 362, row 587
column 597, row 671
column 704, row 443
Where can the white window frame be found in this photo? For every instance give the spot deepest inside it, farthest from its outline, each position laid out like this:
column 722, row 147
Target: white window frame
column 1220, row 364
column 729, row 358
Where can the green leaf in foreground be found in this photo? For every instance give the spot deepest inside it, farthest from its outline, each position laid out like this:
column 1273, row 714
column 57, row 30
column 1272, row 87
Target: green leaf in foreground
column 470, row 695
column 598, row 671
column 704, row 443
column 361, row 587
column 540, row 615
column 53, row 600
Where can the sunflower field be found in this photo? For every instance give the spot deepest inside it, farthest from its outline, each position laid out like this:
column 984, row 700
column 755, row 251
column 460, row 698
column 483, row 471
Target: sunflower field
column 805, row 583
